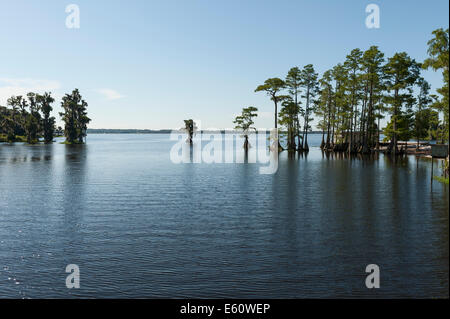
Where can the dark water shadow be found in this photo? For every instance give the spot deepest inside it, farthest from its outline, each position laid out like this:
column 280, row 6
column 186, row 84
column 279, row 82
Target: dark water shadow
column 75, row 201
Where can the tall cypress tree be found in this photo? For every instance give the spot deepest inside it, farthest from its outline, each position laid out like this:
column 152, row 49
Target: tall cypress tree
column 82, row 121
column 353, row 66
column 293, row 84
column 372, row 63
column 325, row 107
column 48, row 122
column 74, row 117
column 311, row 85
column 401, row 72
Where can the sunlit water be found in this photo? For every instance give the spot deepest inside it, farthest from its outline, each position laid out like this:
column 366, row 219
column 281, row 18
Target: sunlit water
column 138, row 225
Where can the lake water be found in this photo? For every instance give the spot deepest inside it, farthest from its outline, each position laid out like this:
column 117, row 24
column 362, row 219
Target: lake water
column 138, row 225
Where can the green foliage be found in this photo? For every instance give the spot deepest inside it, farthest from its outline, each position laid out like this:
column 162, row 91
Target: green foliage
column 23, row 118
column 438, row 51
column 9, row 139
column 354, row 84
column 401, row 72
column 272, row 87
column 426, row 124
column 426, row 120
column 244, row 121
column 74, row 117
column 310, row 84
column 340, row 116
column 402, row 129
column 48, row 121
column 352, row 98
column 288, row 120
column 441, row 179
column 373, row 76
column 8, row 124
column 30, row 118
column 294, row 84
column 325, row 105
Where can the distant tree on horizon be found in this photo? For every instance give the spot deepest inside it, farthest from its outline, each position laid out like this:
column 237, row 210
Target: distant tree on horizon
column 190, row 127
column 244, row 123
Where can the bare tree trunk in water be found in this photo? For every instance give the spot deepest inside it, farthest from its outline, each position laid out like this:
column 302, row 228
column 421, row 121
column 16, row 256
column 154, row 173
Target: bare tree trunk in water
column 418, row 144
column 299, row 146
column 292, row 130
column 305, row 129
column 350, row 146
column 394, row 151
column 306, row 147
column 332, row 133
column 328, row 127
column 378, row 131
column 276, row 117
column 322, row 145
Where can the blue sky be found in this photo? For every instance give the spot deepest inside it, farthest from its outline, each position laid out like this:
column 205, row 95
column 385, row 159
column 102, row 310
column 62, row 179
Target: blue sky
column 151, row 64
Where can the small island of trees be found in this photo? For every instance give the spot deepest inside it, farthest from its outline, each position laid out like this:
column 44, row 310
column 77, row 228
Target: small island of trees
column 351, row 98
column 28, row 119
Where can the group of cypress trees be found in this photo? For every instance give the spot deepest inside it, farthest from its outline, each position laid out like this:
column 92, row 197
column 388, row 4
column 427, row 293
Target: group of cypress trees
column 74, row 117
column 30, row 117
column 351, row 98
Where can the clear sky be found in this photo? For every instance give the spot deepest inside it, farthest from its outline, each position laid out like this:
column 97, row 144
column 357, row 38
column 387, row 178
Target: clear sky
column 151, row 64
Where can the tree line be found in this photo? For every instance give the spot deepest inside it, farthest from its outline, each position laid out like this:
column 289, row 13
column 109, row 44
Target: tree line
column 351, row 98
column 28, row 118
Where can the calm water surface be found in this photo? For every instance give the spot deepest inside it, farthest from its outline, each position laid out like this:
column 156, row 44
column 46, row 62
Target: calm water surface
column 138, row 225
